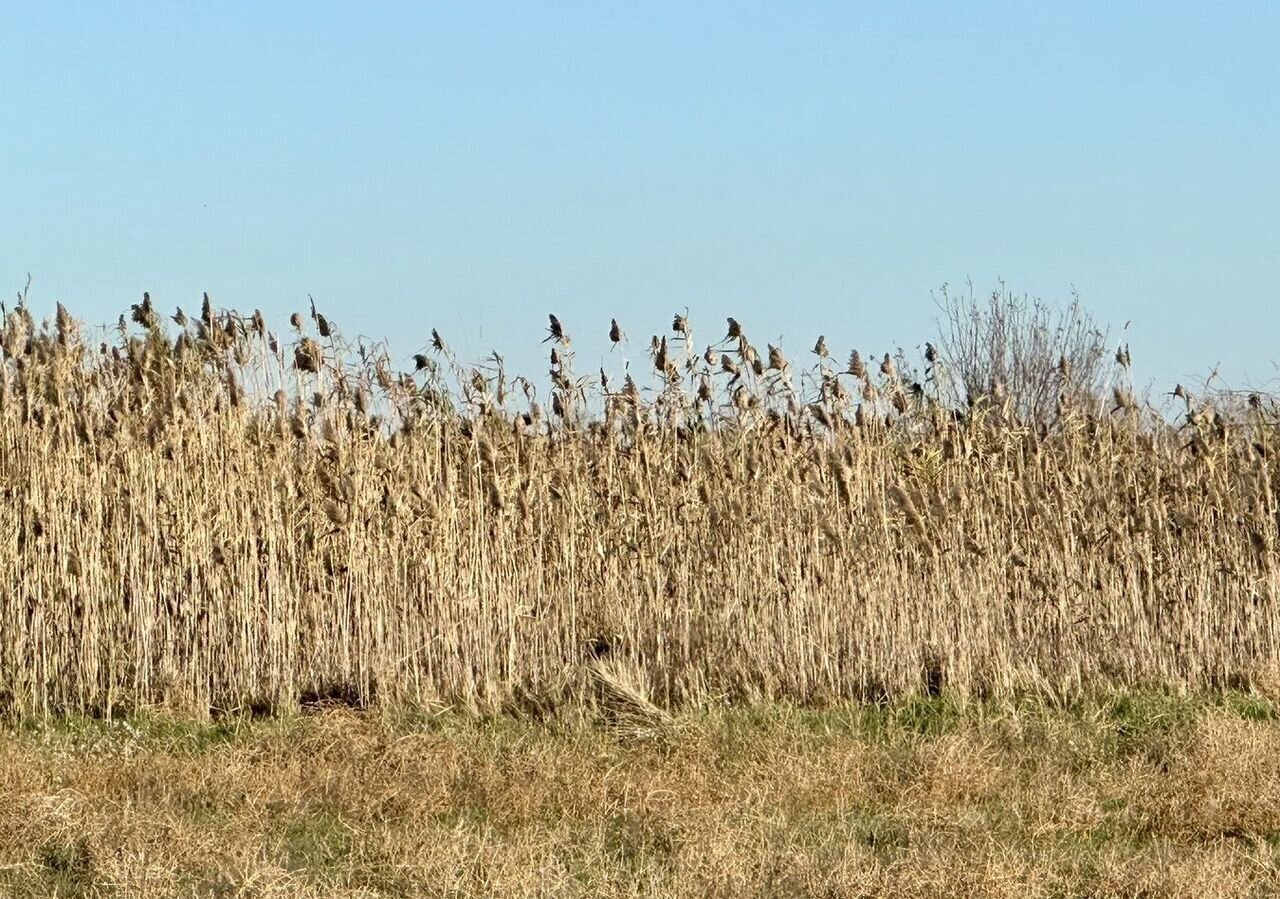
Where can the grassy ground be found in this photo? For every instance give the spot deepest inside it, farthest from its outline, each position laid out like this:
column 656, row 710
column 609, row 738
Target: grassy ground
column 1145, row 795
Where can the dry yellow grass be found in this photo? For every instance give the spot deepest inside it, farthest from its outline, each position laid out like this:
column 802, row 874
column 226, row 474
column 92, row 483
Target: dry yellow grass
column 215, row 517
column 1140, row 796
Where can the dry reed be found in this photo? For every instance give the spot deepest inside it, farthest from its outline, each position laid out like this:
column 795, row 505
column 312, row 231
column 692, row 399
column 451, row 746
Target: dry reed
column 221, row 518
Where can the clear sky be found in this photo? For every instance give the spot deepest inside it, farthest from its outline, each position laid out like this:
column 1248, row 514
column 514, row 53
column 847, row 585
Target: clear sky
column 807, row 168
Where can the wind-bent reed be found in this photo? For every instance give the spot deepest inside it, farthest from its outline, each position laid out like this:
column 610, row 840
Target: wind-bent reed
column 219, row 518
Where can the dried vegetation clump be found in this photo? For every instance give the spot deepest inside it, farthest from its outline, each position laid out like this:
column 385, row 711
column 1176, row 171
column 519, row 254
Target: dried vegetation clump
column 208, row 515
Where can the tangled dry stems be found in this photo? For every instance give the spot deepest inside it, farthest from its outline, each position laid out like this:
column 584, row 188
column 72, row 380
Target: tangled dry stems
column 216, row 517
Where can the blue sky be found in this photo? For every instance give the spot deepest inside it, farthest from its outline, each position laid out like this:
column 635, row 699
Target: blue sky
column 807, row 168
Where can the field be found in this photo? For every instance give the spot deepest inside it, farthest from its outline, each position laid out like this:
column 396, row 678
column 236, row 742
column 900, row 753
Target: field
column 1146, row 795
column 743, row 624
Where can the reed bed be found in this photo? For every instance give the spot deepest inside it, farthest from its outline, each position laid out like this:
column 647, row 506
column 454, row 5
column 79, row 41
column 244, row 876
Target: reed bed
column 208, row 515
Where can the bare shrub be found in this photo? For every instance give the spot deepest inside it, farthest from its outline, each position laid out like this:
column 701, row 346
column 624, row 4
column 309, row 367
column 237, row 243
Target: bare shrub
column 1021, row 350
